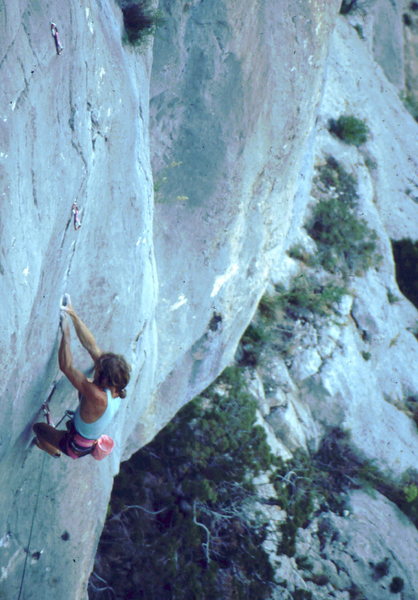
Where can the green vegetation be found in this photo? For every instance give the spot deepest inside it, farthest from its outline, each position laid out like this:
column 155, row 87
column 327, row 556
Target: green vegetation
column 140, row 20
column 411, row 493
column 392, row 298
column 346, row 244
column 349, row 6
column 194, row 530
column 323, row 480
column 307, row 293
column 405, row 254
column 411, row 104
column 349, row 129
column 360, row 31
column 273, row 326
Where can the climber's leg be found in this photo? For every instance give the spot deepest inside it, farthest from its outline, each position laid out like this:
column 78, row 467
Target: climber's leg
column 48, row 438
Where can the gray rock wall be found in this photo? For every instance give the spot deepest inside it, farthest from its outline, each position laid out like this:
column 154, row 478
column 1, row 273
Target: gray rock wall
column 233, row 99
column 73, row 127
column 234, row 96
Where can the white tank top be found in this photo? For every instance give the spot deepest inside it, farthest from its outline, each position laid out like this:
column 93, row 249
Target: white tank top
column 92, row 431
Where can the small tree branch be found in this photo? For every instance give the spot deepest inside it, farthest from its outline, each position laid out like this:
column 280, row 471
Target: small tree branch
column 206, row 545
column 101, row 589
column 117, row 516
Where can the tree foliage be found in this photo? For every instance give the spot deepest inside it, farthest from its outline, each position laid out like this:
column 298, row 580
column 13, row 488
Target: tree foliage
column 140, row 20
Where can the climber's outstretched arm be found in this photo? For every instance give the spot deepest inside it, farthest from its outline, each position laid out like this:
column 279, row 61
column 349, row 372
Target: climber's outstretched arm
column 84, row 334
column 65, row 360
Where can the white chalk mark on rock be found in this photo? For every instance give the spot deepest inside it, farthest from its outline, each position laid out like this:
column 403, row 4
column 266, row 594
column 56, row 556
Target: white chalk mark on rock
column 222, row 279
column 181, row 301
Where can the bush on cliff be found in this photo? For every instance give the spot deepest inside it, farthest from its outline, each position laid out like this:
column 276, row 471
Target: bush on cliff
column 349, row 6
column 345, row 242
column 140, row 20
column 349, row 129
column 308, row 297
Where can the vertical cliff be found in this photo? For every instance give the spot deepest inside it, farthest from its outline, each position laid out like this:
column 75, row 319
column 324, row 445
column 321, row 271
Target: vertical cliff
column 234, row 98
column 74, row 127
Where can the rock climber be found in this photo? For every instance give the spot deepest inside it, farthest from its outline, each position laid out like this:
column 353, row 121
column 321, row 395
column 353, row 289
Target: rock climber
column 99, row 398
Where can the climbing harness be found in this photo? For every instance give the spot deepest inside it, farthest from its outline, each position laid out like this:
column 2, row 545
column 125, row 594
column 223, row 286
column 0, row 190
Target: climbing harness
column 76, row 218
column 54, row 32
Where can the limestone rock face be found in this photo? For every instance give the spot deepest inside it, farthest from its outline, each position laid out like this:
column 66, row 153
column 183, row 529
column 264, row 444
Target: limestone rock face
column 368, row 551
column 73, row 127
column 234, row 98
column 226, row 145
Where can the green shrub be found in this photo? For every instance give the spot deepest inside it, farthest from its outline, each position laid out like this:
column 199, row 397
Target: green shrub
column 411, row 493
column 295, row 493
column 392, row 298
column 257, row 336
column 349, row 129
column 140, row 20
column 333, row 181
column 411, row 104
column 307, row 293
column 298, row 252
column 345, row 242
column 273, row 325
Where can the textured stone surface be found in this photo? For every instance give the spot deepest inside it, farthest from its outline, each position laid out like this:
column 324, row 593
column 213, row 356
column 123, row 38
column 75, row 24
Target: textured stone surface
column 226, row 147
column 239, row 116
column 75, row 127
column 347, row 550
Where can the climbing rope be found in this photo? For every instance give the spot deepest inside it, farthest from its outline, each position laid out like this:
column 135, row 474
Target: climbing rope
column 31, row 527
column 46, row 411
